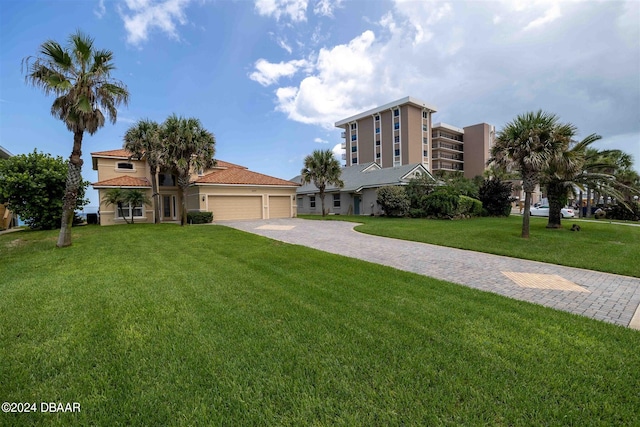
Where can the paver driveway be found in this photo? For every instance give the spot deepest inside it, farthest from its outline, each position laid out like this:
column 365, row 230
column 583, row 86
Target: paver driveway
column 602, row 296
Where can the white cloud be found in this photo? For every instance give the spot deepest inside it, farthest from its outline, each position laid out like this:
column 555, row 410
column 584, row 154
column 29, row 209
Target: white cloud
column 148, row 15
column 321, row 141
column 326, row 7
column 268, row 73
column 100, row 10
column 338, row 151
column 283, row 44
column 550, row 15
column 295, row 9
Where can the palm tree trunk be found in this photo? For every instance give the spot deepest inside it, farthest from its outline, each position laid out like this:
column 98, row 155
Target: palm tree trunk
column 555, row 196
column 183, row 189
column 122, row 213
column 580, row 205
column 74, row 180
column 156, row 196
column 526, row 214
column 322, row 202
column 588, row 215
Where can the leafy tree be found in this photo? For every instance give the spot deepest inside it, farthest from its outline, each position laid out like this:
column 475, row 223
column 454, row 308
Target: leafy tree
column 526, row 144
column 442, row 203
column 322, row 168
column 394, row 200
column 495, row 196
column 187, row 148
column 79, row 75
column 143, row 140
column 33, row 186
column 417, row 189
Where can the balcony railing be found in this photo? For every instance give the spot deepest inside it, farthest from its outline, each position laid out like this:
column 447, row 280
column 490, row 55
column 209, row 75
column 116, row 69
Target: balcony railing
column 456, row 157
column 343, row 134
column 447, row 146
column 344, row 156
column 447, row 167
column 343, row 145
column 438, row 134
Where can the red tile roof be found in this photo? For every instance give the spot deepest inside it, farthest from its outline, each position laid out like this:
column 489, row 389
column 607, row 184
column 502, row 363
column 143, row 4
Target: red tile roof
column 241, row 176
column 223, row 164
column 123, row 181
column 113, row 153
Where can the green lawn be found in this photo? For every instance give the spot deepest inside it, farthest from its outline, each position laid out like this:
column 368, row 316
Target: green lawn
column 205, row 325
column 598, row 246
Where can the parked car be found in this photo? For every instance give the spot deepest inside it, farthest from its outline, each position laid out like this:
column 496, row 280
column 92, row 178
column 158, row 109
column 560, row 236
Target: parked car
column 543, row 210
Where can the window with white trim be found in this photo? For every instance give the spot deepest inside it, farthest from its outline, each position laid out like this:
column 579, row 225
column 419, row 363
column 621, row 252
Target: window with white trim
column 336, row 200
column 124, row 166
column 312, row 201
column 125, row 211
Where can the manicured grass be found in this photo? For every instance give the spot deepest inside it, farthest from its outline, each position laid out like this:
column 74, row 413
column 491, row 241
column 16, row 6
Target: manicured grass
column 205, row 325
column 598, row 246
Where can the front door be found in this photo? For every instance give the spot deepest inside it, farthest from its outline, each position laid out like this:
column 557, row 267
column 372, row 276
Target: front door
column 169, row 207
column 356, row 205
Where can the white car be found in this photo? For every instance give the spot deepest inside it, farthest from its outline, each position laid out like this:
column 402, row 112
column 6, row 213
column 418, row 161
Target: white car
column 543, row 210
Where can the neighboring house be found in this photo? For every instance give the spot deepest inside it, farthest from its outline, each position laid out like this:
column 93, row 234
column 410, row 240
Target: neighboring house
column 358, row 196
column 7, row 218
column 229, row 191
column 402, row 133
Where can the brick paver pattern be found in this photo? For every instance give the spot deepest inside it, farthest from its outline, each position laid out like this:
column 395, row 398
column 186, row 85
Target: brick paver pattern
column 608, row 297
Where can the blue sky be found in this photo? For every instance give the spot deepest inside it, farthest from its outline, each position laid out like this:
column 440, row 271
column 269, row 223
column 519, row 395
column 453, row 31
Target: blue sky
column 270, row 77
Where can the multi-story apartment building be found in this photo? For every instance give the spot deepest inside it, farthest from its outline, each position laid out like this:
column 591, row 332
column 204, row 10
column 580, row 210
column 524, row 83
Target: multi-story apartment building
column 461, row 149
column 394, row 134
column 402, row 133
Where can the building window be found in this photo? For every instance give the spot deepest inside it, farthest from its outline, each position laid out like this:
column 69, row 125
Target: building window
column 354, row 149
column 424, row 128
column 396, row 125
column 353, row 126
column 125, row 212
column 354, row 161
column 166, row 180
column 425, row 153
column 125, row 166
column 425, row 115
column 354, row 137
column 396, row 138
column 425, row 140
column 377, row 155
column 312, row 202
column 336, row 200
column 397, row 152
column 377, row 130
column 396, row 112
column 300, row 203
column 377, row 118
column 378, row 143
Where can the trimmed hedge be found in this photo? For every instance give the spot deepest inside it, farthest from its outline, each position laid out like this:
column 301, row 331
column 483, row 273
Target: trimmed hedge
column 199, row 217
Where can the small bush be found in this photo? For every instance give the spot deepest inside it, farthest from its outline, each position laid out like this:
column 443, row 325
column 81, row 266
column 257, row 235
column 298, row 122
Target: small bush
column 199, row 217
column 468, row 206
column 495, row 196
column 441, row 204
column 393, row 200
column 620, row 212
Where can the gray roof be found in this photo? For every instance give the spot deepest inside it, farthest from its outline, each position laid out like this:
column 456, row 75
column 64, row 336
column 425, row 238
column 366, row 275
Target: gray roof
column 367, row 175
column 4, row 153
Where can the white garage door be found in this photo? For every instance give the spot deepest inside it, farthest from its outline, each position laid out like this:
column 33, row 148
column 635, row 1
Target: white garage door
column 279, row 206
column 235, row 207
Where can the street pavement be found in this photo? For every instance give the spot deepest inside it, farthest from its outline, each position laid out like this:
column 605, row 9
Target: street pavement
column 603, row 296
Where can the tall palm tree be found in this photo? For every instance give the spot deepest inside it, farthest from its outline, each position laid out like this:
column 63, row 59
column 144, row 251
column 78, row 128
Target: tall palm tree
column 143, row 139
column 525, row 145
column 565, row 171
column 79, row 75
column 116, row 196
column 322, row 168
column 188, row 148
column 135, row 198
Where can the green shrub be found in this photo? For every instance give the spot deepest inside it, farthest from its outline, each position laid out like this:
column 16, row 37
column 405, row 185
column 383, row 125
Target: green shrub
column 621, row 212
column 441, row 204
column 199, row 217
column 495, row 196
column 468, row 206
column 393, row 200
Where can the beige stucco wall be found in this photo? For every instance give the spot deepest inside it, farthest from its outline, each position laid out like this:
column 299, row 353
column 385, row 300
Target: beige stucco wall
column 476, row 149
column 108, row 213
column 107, row 169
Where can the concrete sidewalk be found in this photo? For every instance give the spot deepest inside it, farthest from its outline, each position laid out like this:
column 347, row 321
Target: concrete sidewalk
column 608, row 297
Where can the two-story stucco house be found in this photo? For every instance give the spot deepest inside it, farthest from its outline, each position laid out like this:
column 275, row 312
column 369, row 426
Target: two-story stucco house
column 227, row 190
